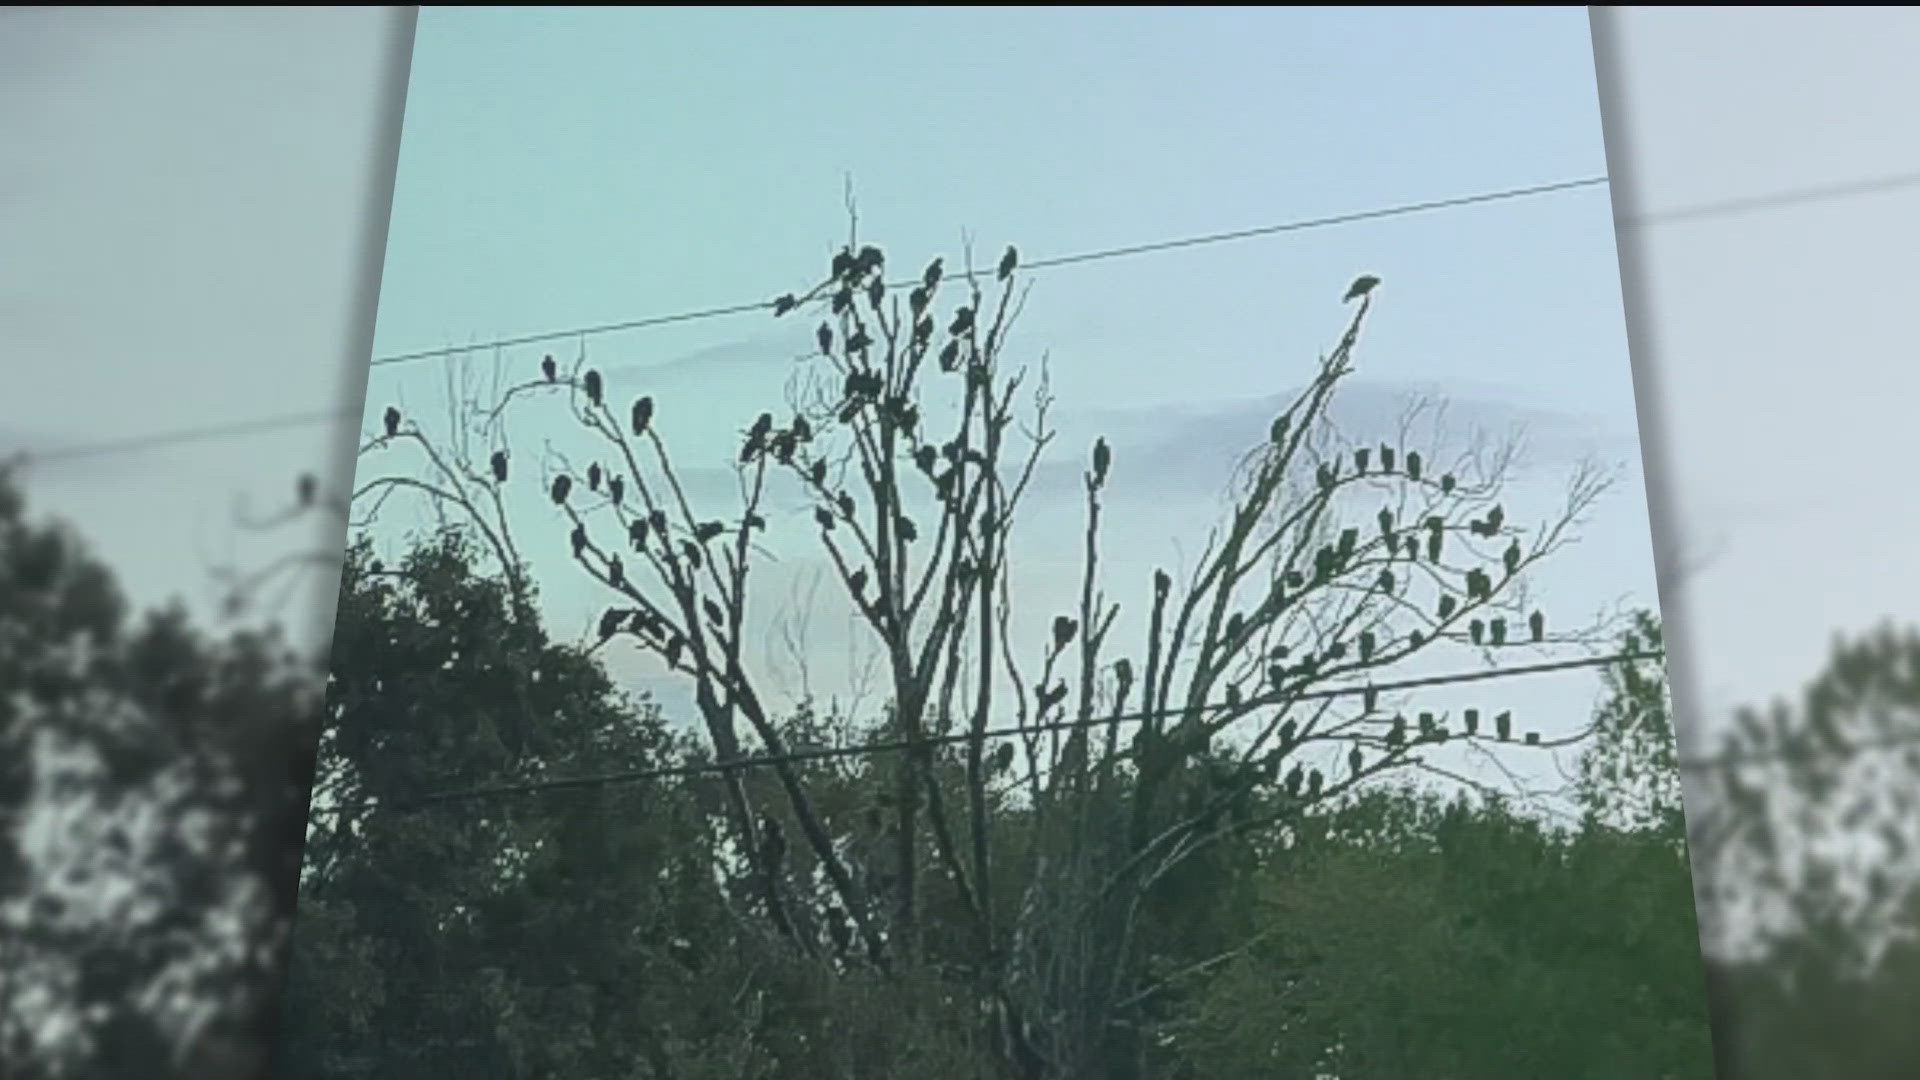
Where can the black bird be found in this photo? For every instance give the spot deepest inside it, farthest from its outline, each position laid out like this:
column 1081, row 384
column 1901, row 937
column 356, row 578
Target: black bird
column 392, row 421
column 1102, row 459
column 593, row 477
column 824, row 337
column 1413, row 464
column 616, row 490
column 1008, row 262
column 707, row 530
column 1503, row 726
column 593, row 388
column 1362, row 285
column 713, row 612
column 579, row 539
column 784, row 304
column 549, row 368
column 931, row 279
column 1473, row 721
column 1002, row 758
column 562, row 484
column 858, row 581
column 1537, row 622
column 500, row 466
column 1512, row 557
column 1475, row 630
column 1355, row 760
column 1497, row 631
column 307, row 489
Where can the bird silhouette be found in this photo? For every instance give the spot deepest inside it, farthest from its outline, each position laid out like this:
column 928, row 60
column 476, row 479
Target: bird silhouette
column 1537, row 623
column 1002, row 758
column 549, row 368
column 1102, row 460
column 593, row 387
column 392, row 421
column 562, row 484
column 1361, row 286
column 1503, row 726
column 499, row 462
column 1008, row 262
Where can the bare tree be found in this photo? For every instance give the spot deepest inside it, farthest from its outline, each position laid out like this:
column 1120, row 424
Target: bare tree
column 914, row 440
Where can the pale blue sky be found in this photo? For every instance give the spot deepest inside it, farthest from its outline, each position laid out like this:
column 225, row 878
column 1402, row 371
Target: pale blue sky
column 579, row 167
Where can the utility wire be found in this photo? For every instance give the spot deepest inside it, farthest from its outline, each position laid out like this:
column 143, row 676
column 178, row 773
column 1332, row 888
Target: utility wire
column 460, row 795
column 231, row 430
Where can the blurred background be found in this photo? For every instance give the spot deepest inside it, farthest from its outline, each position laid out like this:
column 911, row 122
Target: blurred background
column 187, row 310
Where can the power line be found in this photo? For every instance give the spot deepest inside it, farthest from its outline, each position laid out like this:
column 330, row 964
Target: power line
column 531, row 787
column 253, row 427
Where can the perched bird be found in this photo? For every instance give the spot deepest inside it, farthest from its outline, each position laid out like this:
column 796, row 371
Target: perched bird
column 592, row 385
column 1008, row 262
column 500, row 466
column 1102, row 460
column 1503, row 726
column 307, row 489
column 1001, row 760
column 549, row 368
column 392, row 421
column 1537, row 622
column 1362, row 285
column 562, row 484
